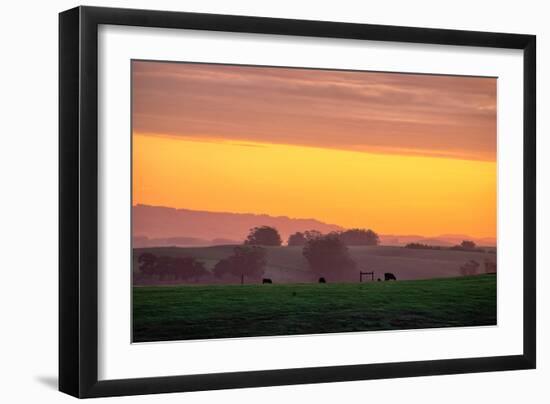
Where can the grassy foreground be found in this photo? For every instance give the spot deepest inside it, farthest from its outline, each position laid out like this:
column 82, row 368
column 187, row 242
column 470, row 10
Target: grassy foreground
column 163, row 313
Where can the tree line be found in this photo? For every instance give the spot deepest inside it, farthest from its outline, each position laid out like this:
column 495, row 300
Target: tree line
column 246, row 261
column 465, row 245
column 168, row 267
column 269, row 236
column 327, row 256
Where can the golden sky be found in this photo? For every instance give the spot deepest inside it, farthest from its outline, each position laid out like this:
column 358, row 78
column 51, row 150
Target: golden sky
column 398, row 153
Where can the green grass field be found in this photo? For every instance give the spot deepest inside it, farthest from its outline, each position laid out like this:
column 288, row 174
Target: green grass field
column 163, row 313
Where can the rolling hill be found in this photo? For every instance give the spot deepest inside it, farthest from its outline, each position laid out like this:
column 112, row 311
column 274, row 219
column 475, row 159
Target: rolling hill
column 287, row 264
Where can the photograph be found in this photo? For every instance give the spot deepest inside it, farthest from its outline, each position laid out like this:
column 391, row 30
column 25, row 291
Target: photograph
column 273, row 201
column 293, row 199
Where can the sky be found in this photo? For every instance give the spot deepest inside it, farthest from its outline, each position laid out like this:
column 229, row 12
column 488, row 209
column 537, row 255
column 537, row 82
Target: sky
column 398, row 153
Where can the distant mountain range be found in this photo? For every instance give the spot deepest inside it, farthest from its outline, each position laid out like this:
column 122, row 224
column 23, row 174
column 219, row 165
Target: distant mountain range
column 155, row 226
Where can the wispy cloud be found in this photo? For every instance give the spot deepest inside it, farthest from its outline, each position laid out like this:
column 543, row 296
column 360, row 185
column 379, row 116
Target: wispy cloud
column 363, row 111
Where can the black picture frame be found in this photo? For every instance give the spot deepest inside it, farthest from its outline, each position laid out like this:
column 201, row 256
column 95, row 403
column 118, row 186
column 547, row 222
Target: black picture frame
column 78, row 201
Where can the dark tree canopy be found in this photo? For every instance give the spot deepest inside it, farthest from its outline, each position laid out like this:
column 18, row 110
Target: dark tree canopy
column 263, row 235
column 188, row 268
column 311, row 234
column 297, row 239
column 165, row 266
column 184, row 268
column 359, row 237
column 224, row 268
column 468, row 245
column 147, row 264
column 329, row 257
column 247, row 260
column 420, row 246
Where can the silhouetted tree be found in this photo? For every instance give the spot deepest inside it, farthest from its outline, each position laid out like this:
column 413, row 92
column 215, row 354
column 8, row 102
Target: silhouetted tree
column 297, row 239
column 187, row 268
column 248, row 261
column 300, row 238
column 420, row 246
column 359, row 237
column 198, row 270
column 183, row 268
column 147, row 264
column 469, row 268
column 468, row 245
column 224, row 268
column 311, row 234
column 328, row 255
column 263, row 235
column 166, row 266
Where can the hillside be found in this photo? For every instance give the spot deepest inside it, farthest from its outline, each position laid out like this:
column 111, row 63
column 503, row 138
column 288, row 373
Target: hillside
column 286, row 264
column 156, row 225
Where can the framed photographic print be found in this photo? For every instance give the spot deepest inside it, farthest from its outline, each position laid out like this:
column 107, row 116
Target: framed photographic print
column 250, row 201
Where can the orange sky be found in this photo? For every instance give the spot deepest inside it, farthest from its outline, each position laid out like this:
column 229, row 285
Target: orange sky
column 398, row 153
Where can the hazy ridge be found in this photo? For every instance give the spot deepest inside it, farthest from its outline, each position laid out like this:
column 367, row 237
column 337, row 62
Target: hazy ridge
column 163, row 226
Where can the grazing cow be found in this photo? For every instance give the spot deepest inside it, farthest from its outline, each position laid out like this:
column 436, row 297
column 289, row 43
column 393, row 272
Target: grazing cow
column 322, row 280
column 267, row 280
column 388, row 276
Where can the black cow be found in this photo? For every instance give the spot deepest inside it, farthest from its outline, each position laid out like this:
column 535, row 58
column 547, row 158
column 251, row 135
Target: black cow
column 267, row 280
column 322, row 280
column 388, row 276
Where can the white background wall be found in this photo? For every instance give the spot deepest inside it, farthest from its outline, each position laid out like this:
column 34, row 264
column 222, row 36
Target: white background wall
column 28, row 189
